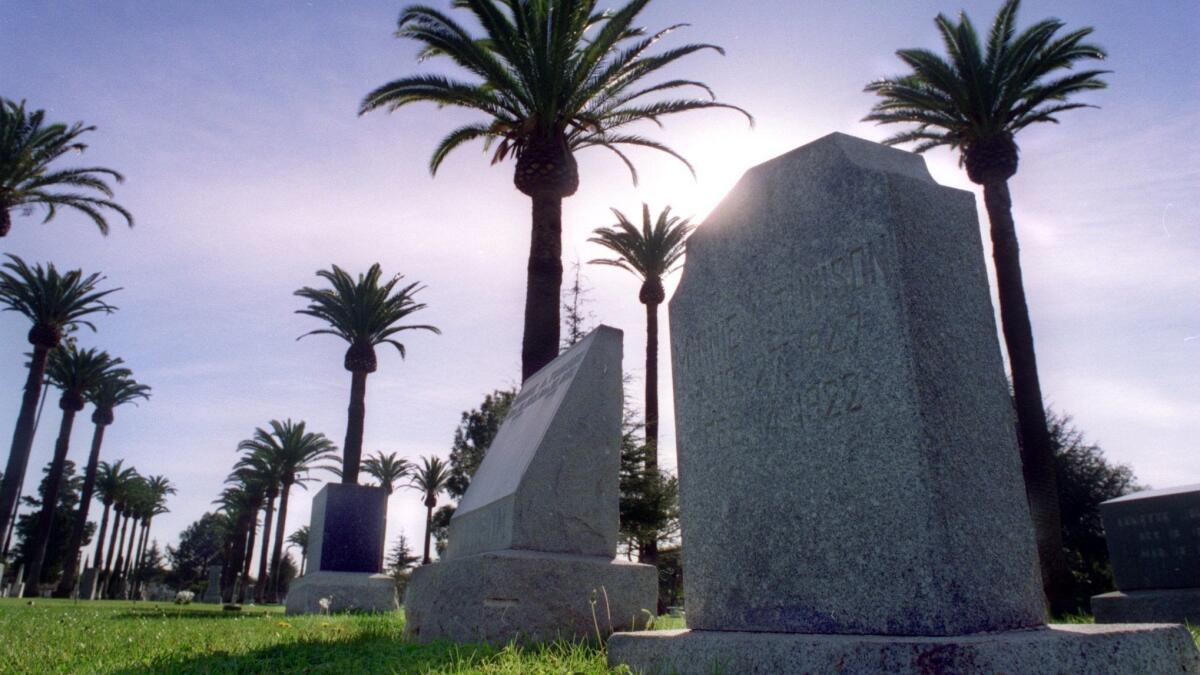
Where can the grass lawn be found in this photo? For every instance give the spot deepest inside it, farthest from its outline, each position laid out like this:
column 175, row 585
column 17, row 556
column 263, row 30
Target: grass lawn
column 64, row 636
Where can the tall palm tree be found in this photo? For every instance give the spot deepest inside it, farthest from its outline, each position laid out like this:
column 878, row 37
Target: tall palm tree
column 135, row 513
column 551, row 77
column 430, row 478
column 28, row 147
column 109, row 481
column 253, row 487
column 54, row 303
column 388, row 469
column 267, row 471
column 127, row 497
column 650, row 254
column 366, row 314
column 74, row 371
column 295, row 450
column 113, row 390
column 976, row 102
column 158, row 487
column 240, row 502
column 299, row 538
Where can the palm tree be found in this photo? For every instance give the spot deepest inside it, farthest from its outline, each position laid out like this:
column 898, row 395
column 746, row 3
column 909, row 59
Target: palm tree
column 553, row 77
column 649, row 254
column 112, row 391
column 27, row 148
column 299, row 538
column 240, row 502
column 430, row 478
column 126, row 499
column 388, row 469
column 975, row 103
column 294, row 450
column 266, row 470
column 365, row 314
column 74, row 371
column 135, row 512
column 109, row 481
column 54, row 303
column 158, row 488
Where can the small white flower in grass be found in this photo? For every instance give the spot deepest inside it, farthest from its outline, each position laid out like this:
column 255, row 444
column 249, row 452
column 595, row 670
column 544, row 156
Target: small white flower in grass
column 325, row 604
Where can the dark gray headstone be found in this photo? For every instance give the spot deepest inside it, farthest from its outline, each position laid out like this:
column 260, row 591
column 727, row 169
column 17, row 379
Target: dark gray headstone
column 347, row 529
column 1154, row 538
column 212, row 593
column 851, row 491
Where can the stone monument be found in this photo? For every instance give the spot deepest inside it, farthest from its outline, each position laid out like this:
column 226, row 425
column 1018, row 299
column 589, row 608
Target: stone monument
column 851, row 490
column 212, row 593
column 346, row 541
column 1154, row 543
column 88, row 581
column 531, row 547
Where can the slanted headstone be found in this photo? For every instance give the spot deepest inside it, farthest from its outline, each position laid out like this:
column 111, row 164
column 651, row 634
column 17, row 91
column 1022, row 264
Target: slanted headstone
column 851, row 490
column 212, row 594
column 1154, row 544
column 531, row 546
column 346, row 542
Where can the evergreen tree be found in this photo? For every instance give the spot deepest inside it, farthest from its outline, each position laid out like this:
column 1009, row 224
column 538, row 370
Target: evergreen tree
column 577, row 321
column 58, row 546
column 200, row 545
column 400, row 562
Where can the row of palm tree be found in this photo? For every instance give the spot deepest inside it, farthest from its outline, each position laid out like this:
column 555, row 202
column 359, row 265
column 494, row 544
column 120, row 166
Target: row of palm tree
column 133, row 501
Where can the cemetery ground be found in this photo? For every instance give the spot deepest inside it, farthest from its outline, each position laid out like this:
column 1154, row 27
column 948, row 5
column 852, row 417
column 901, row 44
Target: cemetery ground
column 66, row 636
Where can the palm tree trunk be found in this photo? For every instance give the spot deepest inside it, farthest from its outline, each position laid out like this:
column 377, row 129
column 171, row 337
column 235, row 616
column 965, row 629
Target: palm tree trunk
column 85, row 499
column 49, row 503
column 650, row 546
column 428, row 531
column 356, row 416
column 18, row 454
column 260, row 590
column 139, row 552
column 543, row 286
column 99, row 559
column 114, row 574
column 249, row 553
column 1037, row 451
column 127, row 568
column 112, row 547
column 277, row 556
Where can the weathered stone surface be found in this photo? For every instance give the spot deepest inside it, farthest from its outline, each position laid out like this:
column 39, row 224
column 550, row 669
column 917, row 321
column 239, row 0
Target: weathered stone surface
column 1062, row 650
column 212, row 593
column 1154, row 538
column 1176, row 605
column 88, row 582
column 847, row 453
column 347, row 529
column 549, row 479
column 346, row 591
column 533, row 540
column 509, row 595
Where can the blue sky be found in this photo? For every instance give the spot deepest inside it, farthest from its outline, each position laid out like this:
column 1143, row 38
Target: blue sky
column 248, row 170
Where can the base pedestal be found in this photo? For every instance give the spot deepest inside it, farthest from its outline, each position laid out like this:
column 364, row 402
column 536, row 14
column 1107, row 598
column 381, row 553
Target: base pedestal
column 346, row 591
column 1175, row 605
column 1069, row 648
column 529, row 596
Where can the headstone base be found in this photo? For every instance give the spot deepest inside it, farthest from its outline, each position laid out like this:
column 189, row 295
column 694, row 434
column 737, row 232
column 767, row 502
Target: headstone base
column 529, row 596
column 346, row 591
column 1070, row 648
column 87, row 583
column 1176, row 605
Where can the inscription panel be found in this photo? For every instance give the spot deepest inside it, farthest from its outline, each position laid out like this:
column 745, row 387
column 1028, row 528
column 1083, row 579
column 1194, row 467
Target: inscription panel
column 1154, row 540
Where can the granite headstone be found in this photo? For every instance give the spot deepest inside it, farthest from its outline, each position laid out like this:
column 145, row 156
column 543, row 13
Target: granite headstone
column 88, row 581
column 531, row 546
column 212, row 593
column 851, row 490
column 1154, row 544
column 346, row 542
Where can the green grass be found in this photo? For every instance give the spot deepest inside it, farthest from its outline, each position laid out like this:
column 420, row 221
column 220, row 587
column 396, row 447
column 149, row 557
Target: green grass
column 63, row 636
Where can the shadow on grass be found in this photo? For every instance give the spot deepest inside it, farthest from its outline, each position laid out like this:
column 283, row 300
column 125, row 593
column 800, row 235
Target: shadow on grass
column 381, row 653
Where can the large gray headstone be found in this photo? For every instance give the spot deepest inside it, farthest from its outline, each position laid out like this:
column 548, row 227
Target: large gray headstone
column 548, row 481
column 847, row 451
column 851, row 491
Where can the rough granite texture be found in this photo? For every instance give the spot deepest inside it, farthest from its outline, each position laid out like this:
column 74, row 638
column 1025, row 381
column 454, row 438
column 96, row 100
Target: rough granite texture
column 549, row 479
column 527, row 596
column 1176, row 605
column 347, row 592
column 1058, row 650
column 1154, row 538
column 347, row 529
column 847, row 453
column 531, row 545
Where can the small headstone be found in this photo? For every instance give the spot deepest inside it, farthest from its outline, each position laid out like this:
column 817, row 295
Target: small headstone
column 851, row 490
column 532, row 544
column 212, row 594
column 1154, row 544
column 346, row 543
column 87, row 583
